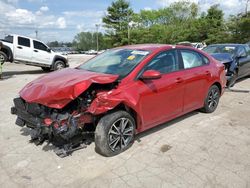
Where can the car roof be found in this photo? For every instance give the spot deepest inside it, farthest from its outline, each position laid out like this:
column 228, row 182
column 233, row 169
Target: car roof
column 25, row 37
column 227, row 44
column 154, row 47
column 149, row 47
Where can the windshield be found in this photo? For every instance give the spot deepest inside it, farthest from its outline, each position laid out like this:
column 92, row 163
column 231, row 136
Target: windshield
column 221, row 49
column 117, row 61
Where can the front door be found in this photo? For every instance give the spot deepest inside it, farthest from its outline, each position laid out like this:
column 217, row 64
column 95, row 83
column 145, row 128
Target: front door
column 161, row 99
column 41, row 54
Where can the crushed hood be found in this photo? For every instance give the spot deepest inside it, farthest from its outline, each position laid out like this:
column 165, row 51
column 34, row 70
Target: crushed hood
column 58, row 88
column 223, row 57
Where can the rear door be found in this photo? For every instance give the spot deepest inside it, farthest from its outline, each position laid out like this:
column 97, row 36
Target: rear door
column 196, row 75
column 23, row 50
column 161, row 99
column 41, row 53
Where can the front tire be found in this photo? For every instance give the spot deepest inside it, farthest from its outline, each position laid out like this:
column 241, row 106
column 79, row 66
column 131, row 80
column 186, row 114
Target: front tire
column 58, row 65
column 3, row 57
column 231, row 82
column 212, row 99
column 46, row 69
column 114, row 133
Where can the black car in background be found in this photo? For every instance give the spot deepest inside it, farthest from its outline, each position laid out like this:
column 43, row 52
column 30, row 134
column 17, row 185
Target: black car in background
column 235, row 57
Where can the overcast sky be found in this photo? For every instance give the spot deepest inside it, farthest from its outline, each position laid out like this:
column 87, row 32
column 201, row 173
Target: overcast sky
column 62, row 19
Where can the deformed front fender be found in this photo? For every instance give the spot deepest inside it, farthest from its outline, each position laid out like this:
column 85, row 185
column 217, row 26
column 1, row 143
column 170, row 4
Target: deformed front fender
column 106, row 101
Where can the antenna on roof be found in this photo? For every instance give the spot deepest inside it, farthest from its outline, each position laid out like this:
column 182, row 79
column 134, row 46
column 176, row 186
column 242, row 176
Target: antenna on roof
column 36, row 34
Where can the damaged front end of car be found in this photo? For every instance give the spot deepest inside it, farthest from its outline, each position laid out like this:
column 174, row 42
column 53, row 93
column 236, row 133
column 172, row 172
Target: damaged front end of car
column 230, row 64
column 67, row 128
column 70, row 126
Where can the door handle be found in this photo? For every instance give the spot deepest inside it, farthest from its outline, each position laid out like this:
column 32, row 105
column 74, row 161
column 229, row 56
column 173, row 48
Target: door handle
column 179, row 80
column 20, row 47
column 208, row 73
column 35, row 51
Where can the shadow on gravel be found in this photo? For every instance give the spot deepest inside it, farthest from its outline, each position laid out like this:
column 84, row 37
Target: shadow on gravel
column 242, row 79
column 3, row 77
column 233, row 89
column 48, row 147
column 25, row 131
column 56, row 145
column 238, row 90
column 11, row 73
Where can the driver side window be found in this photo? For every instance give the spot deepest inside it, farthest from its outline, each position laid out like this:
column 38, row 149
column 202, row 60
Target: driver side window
column 164, row 62
column 248, row 50
column 39, row 46
column 242, row 50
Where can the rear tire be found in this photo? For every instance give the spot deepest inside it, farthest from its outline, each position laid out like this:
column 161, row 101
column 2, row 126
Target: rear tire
column 58, row 65
column 114, row 133
column 212, row 99
column 3, row 57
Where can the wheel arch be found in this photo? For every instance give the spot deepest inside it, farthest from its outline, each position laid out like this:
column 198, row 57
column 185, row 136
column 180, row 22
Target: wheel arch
column 8, row 52
column 59, row 58
column 218, row 85
column 128, row 109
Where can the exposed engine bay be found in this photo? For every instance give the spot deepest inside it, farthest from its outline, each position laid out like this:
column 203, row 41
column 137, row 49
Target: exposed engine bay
column 69, row 129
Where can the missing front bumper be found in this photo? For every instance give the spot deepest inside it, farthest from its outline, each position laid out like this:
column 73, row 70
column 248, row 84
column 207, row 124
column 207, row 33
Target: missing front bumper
column 66, row 140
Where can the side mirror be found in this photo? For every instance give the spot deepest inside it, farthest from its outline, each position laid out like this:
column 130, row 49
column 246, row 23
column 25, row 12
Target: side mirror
column 48, row 50
column 151, row 75
column 242, row 54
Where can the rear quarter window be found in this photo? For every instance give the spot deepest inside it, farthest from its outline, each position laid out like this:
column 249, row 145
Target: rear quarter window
column 9, row 39
column 193, row 59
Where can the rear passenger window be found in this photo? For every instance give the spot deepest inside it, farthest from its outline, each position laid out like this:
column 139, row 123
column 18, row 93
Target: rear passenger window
column 23, row 41
column 192, row 59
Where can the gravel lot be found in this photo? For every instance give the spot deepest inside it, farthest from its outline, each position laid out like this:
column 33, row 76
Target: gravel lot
column 195, row 150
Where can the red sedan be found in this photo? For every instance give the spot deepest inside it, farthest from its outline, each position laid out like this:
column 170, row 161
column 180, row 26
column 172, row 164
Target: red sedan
column 117, row 94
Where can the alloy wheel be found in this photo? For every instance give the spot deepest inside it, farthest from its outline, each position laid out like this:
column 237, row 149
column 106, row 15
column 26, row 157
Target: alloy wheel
column 59, row 66
column 120, row 134
column 213, row 98
column 2, row 58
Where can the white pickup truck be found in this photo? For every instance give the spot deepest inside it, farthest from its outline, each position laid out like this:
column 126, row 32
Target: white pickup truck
column 25, row 50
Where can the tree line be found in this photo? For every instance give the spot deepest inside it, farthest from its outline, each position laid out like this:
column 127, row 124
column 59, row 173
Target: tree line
column 181, row 21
